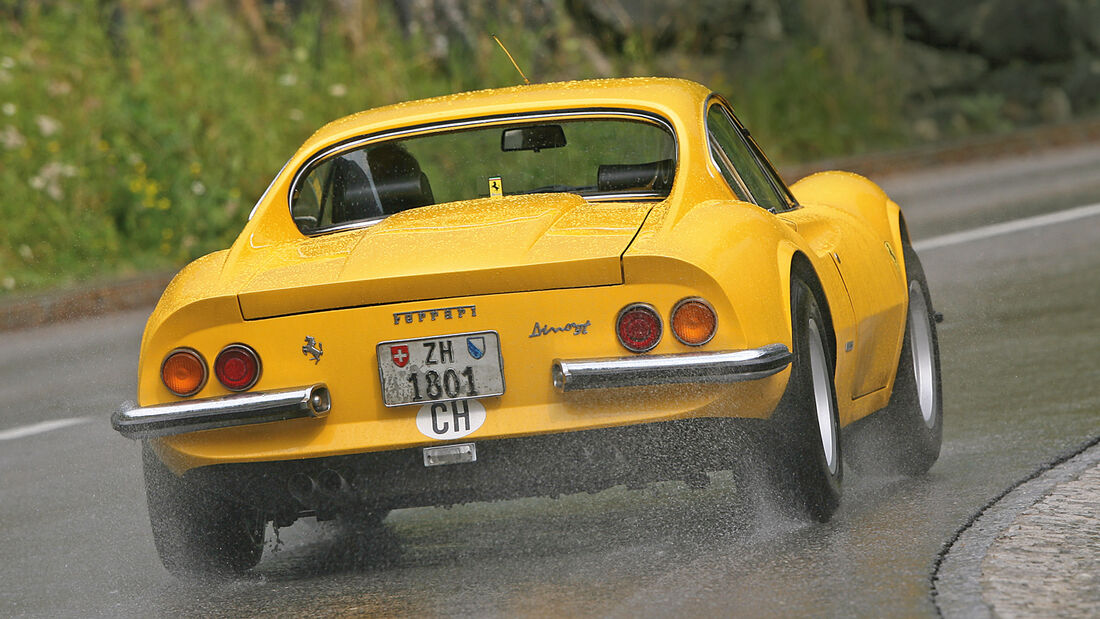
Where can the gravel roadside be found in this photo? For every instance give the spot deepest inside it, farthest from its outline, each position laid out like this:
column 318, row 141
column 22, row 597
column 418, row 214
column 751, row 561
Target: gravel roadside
column 1034, row 551
column 1048, row 561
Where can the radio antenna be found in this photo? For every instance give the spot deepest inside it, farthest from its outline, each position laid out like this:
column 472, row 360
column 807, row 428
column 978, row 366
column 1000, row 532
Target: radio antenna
column 509, row 54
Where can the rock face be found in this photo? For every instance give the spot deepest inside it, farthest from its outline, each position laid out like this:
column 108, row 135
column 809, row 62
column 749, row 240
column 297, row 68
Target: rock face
column 998, row 30
column 1034, row 60
column 1042, row 58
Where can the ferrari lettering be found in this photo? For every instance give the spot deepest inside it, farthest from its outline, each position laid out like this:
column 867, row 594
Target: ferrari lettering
column 445, row 313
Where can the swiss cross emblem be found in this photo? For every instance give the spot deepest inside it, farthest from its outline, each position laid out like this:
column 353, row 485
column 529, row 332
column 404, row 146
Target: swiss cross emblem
column 399, row 355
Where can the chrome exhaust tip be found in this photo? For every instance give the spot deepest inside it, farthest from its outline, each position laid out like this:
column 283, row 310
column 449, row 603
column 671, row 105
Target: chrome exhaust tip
column 303, row 488
column 332, row 482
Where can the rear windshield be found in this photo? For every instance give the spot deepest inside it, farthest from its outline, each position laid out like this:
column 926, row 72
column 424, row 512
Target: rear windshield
column 607, row 158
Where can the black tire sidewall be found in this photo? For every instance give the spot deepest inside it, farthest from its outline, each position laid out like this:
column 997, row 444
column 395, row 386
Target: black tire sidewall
column 896, row 440
column 798, row 467
column 918, row 444
column 199, row 533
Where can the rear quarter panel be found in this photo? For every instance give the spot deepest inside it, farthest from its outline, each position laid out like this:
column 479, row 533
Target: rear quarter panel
column 868, row 224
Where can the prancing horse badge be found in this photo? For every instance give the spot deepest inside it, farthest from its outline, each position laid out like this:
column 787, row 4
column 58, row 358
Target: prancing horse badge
column 312, row 349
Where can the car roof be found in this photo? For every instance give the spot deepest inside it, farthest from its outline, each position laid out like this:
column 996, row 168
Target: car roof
column 671, row 97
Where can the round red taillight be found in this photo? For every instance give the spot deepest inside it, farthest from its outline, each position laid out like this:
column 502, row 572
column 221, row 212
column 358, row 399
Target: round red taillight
column 693, row 321
column 183, row 372
column 237, row 367
column 639, row 327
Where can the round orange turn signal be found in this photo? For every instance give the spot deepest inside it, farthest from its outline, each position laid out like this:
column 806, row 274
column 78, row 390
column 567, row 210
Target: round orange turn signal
column 694, row 321
column 183, row 372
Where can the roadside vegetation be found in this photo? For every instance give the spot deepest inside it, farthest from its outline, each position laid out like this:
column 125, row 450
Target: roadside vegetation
column 135, row 136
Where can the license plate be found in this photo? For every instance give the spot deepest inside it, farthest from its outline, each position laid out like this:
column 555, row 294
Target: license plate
column 446, row 367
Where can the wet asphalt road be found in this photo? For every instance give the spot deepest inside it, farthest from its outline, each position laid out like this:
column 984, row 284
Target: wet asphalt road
column 1022, row 386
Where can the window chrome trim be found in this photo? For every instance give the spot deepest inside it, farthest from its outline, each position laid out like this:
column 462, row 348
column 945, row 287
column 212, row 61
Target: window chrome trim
column 456, row 125
column 270, row 186
column 626, row 195
column 713, row 144
column 762, row 162
column 716, row 100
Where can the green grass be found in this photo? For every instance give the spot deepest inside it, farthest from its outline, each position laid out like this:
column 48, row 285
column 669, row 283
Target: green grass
column 139, row 143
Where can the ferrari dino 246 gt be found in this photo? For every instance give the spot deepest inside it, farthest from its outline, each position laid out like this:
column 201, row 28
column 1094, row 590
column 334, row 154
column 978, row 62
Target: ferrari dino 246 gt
column 529, row 291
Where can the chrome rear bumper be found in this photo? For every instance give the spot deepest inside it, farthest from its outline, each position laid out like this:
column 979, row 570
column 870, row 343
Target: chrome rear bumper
column 223, row 412
column 703, row 367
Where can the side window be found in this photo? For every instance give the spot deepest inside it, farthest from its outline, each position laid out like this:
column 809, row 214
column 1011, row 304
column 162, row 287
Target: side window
column 736, row 152
column 718, row 130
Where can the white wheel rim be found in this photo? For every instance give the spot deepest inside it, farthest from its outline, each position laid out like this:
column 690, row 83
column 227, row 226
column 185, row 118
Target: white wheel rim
column 823, row 401
column 924, row 361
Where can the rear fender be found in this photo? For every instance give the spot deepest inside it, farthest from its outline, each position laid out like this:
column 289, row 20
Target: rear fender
column 727, row 250
column 856, row 195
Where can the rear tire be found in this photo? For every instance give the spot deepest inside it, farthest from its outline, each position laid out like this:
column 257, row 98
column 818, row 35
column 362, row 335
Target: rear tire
column 802, row 453
column 199, row 533
column 904, row 438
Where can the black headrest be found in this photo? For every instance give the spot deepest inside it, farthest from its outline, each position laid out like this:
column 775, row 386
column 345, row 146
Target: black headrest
column 352, row 197
column 398, row 184
column 653, row 176
column 398, row 179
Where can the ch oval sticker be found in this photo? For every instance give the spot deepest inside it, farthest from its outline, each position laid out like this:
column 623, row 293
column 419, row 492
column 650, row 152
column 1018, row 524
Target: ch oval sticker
column 451, row 419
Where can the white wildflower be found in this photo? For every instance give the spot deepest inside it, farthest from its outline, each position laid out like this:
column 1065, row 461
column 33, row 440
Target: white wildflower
column 49, row 178
column 26, row 252
column 133, row 158
column 198, row 188
column 9, row 109
column 11, row 139
column 46, row 125
column 9, row 282
column 338, row 90
column 288, row 79
column 7, row 62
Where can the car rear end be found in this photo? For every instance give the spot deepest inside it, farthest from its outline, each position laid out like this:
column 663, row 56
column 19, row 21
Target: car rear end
column 446, row 324
column 541, row 370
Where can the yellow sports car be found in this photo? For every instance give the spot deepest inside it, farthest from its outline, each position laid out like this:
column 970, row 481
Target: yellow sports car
column 529, row 291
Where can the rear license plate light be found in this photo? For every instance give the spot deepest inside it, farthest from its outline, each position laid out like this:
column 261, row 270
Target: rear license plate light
column 450, row 454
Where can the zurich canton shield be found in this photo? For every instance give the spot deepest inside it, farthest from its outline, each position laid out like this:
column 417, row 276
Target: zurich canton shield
column 476, row 347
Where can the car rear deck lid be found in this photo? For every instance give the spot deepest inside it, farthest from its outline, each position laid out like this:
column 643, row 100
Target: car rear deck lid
column 478, row 247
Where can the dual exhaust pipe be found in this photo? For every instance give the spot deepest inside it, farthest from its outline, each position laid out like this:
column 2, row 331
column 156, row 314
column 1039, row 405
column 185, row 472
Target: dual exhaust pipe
column 326, row 489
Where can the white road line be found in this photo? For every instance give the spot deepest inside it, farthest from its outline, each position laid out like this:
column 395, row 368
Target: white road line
column 1008, row 227
column 38, row 428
